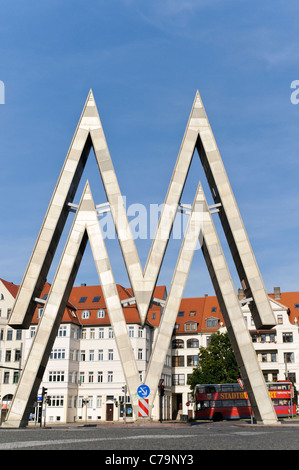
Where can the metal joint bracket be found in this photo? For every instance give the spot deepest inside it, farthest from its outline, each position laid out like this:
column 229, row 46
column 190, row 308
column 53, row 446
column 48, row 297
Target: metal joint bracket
column 102, row 208
column 39, row 301
column 246, row 301
column 127, row 302
column 214, row 208
column 185, row 208
column 73, row 207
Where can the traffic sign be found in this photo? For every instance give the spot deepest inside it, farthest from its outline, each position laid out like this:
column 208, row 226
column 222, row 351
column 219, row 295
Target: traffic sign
column 143, row 407
column 143, row 391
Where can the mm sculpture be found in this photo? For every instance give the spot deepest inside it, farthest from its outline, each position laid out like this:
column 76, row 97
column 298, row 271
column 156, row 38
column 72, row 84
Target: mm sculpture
column 198, row 135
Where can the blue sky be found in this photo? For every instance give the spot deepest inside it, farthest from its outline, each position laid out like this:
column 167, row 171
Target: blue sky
column 144, row 61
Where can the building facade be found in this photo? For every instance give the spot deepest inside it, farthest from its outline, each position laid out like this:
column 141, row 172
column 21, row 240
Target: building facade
column 84, row 377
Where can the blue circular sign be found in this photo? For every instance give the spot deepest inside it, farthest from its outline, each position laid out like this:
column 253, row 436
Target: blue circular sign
column 143, row 391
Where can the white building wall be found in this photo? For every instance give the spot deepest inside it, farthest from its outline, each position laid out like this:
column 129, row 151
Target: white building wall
column 68, row 393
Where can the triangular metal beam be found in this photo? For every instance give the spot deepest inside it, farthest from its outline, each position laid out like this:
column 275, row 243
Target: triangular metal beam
column 198, row 134
column 89, row 133
column 86, row 226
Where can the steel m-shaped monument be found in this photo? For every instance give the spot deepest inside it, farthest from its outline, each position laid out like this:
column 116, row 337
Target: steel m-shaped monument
column 198, row 135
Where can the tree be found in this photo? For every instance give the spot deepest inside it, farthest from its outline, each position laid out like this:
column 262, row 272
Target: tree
column 217, row 363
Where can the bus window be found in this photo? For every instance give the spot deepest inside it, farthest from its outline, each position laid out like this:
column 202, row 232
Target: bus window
column 201, row 405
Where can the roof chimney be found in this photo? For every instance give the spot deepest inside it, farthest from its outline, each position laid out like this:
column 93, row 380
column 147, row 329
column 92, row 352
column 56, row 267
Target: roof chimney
column 276, row 293
column 83, row 285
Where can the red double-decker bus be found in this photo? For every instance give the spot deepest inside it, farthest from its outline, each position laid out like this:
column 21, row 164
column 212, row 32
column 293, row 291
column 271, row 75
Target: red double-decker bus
column 229, row 401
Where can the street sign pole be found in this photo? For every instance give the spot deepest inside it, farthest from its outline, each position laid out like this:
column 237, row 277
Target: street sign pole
column 124, row 389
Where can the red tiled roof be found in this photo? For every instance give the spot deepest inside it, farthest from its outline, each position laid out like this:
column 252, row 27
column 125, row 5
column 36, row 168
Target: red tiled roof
column 289, row 300
column 197, row 310
column 11, row 287
column 93, row 300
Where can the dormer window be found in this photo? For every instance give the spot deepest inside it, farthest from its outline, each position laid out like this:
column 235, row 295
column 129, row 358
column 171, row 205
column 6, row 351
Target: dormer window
column 101, row 313
column 190, row 326
column 85, row 314
column 212, row 322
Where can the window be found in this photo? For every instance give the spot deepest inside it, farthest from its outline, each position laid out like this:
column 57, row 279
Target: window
column 279, row 319
column 110, row 354
column 264, row 357
column 177, row 344
column 55, row 400
column 192, row 361
column 192, row 313
column 287, row 337
column 101, row 313
column 192, row 343
column 178, row 361
column 296, row 305
column 32, row 331
column 56, row 376
column 131, row 331
column 212, row 322
column 82, row 300
column 62, row 331
column 57, row 353
column 140, row 332
column 110, row 376
column 100, row 376
column 101, row 333
column 18, row 354
column 19, row 335
column 140, row 353
column 91, row 355
column 99, row 401
column 90, row 377
column 8, row 355
column 92, row 333
column 190, row 326
column 110, row 333
column 289, row 357
column 273, row 357
column 96, row 299
column 15, row 378
column 85, row 314
column 82, row 355
column 9, row 335
column 181, row 314
column 100, row 355
column 178, row 379
column 6, row 378
column 213, row 309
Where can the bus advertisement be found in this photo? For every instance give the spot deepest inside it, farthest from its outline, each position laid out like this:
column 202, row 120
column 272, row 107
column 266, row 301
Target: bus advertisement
column 229, row 401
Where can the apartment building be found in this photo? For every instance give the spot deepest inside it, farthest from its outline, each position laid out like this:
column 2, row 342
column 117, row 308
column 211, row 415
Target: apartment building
column 84, row 378
column 277, row 349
